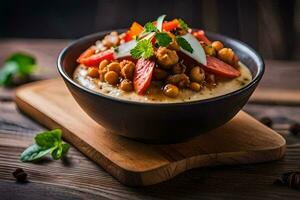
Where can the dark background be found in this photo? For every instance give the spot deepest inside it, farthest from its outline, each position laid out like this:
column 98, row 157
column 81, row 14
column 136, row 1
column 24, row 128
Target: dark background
column 270, row 26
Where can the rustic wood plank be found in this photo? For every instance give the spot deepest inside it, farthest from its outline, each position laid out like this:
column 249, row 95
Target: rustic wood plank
column 80, row 175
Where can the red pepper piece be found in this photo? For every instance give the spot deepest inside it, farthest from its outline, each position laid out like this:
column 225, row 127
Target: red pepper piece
column 94, row 60
column 171, row 25
column 87, row 53
column 143, row 75
column 218, row 67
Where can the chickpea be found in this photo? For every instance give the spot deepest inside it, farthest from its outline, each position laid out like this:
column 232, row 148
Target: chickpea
column 159, row 74
column 93, row 72
column 171, row 90
column 114, row 66
column 217, row 45
column 127, row 69
column 173, row 45
column 102, row 74
column 197, row 74
column 126, row 85
column 228, row 56
column 166, row 57
column 178, row 69
column 103, row 64
column 111, row 77
column 181, row 80
column 195, row 86
column 209, row 50
column 123, row 63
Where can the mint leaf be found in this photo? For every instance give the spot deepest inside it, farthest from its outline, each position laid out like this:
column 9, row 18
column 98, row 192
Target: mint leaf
column 160, row 21
column 23, row 60
column 6, row 73
column 60, row 151
column 183, row 25
column 34, row 152
column 143, row 49
column 48, row 142
column 65, row 148
column 163, row 39
column 184, row 44
column 18, row 64
column 57, row 152
column 48, row 139
column 149, row 27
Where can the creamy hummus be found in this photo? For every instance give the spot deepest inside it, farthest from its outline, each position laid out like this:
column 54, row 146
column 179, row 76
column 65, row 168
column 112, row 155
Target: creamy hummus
column 155, row 94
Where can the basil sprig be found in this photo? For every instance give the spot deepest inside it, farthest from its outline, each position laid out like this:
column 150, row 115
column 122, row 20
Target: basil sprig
column 47, row 142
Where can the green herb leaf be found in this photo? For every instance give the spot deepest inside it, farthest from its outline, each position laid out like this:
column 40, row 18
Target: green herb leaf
column 65, row 148
column 160, row 21
column 34, row 152
column 18, row 64
column 60, row 151
column 6, row 73
column 184, row 44
column 56, row 153
column 48, row 139
column 149, row 27
column 183, row 25
column 143, row 49
column 48, row 142
column 163, row 39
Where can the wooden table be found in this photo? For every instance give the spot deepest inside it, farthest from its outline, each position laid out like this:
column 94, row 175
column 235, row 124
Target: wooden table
column 79, row 178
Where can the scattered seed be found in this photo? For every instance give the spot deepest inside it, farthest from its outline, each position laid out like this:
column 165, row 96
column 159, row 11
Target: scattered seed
column 295, row 128
column 20, row 175
column 290, row 179
column 266, row 121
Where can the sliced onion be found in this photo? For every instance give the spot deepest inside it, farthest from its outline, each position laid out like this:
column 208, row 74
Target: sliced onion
column 124, row 49
column 198, row 51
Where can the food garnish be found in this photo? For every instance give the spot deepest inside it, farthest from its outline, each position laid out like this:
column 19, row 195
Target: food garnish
column 17, row 65
column 47, row 142
column 177, row 57
column 183, row 25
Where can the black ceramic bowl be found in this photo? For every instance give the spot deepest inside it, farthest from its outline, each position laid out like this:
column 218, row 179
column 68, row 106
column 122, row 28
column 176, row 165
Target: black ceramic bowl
column 159, row 123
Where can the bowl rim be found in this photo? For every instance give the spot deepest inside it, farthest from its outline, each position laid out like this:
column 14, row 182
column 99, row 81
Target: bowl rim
column 258, row 59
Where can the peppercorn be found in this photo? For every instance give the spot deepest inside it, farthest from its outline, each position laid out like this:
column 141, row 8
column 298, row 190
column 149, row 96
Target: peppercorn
column 290, row 179
column 295, row 128
column 266, row 121
column 20, row 175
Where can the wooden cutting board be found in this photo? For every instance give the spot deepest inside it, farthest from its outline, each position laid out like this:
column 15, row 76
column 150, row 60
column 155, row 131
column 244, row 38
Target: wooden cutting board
column 240, row 141
column 276, row 96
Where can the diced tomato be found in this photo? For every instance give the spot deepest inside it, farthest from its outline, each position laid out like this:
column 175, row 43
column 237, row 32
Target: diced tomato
column 87, row 53
column 218, row 67
column 127, row 37
column 200, row 35
column 171, row 25
column 135, row 29
column 142, row 75
column 94, row 60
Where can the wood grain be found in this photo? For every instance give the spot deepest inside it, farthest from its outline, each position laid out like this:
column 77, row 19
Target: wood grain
column 242, row 140
column 81, row 178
